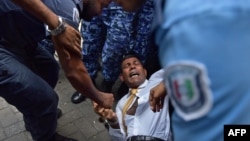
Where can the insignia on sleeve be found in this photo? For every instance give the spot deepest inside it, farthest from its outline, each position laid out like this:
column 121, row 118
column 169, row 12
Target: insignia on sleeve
column 188, row 86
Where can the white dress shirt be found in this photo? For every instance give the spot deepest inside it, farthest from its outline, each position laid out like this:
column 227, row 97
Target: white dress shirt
column 145, row 121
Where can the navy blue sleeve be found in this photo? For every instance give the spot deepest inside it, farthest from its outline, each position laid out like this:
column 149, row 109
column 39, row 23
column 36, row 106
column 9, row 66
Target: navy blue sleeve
column 19, row 27
column 66, row 9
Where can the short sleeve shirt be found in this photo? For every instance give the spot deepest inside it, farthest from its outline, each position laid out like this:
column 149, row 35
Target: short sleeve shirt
column 21, row 28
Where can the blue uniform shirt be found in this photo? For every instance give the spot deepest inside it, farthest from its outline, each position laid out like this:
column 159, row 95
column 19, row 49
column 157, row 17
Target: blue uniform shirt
column 20, row 28
column 204, row 48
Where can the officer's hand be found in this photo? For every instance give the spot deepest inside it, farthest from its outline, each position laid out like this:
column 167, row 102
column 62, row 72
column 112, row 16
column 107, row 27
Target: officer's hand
column 105, row 113
column 156, row 97
column 106, row 100
column 69, row 41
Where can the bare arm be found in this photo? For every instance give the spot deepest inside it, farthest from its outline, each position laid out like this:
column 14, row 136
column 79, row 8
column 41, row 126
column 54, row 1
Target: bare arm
column 70, row 61
column 70, row 39
column 79, row 78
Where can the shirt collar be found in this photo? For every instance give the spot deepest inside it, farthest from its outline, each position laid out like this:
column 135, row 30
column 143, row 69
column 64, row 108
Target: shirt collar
column 143, row 85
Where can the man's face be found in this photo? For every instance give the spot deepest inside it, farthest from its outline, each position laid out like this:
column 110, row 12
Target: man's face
column 133, row 73
column 130, row 5
column 93, row 8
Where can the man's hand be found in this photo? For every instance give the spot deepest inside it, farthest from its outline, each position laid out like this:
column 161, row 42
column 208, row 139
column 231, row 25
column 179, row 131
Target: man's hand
column 69, row 41
column 157, row 96
column 107, row 100
column 79, row 78
column 105, row 113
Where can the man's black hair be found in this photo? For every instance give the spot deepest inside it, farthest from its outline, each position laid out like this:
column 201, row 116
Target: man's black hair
column 130, row 55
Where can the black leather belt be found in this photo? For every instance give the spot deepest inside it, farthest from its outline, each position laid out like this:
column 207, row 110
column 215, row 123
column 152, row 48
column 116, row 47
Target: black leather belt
column 143, row 138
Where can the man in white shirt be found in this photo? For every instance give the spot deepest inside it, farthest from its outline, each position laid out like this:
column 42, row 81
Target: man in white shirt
column 138, row 122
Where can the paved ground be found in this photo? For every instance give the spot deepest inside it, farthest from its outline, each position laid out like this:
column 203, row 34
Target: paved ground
column 78, row 121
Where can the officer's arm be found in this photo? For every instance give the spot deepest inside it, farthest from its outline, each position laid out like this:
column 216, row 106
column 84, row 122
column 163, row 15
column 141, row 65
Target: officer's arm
column 79, row 78
column 70, row 39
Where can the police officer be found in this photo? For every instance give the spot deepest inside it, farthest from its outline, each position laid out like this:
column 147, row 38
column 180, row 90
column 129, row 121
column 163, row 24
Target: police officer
column 27, row 71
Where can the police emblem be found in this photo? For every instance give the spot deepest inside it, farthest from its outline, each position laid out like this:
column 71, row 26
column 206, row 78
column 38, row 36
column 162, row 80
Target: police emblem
column 188, row 86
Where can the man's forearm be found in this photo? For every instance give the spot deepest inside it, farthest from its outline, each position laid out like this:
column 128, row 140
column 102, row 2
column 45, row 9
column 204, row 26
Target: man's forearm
column 78, row 76
column 40, row 11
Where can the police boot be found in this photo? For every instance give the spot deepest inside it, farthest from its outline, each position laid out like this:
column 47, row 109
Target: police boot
column 77, row 97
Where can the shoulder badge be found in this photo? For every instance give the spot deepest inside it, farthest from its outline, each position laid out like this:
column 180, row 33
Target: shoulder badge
column 188, row 86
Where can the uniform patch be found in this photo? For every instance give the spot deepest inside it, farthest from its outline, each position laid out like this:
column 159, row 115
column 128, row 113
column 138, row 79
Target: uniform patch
column 188, row 86
column 76, row 16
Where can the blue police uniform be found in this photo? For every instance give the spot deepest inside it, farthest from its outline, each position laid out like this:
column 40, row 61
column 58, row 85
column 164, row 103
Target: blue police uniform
column 29, row 73
column 113, row 34
column 204, row 49
column 94, row 34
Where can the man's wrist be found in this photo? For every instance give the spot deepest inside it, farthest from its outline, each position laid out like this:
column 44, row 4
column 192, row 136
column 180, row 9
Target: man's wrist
column 59, row 29
column 112, row 123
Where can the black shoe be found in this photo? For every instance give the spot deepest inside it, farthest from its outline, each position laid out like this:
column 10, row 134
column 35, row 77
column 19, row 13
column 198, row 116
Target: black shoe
column 58, row 137
column 59, row 114
column 77, row 98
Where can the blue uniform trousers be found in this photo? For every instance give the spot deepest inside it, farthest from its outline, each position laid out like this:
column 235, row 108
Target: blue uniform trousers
column 113, row 34
column 27, row 79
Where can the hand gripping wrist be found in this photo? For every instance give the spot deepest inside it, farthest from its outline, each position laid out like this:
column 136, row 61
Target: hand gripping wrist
column 59, row 29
